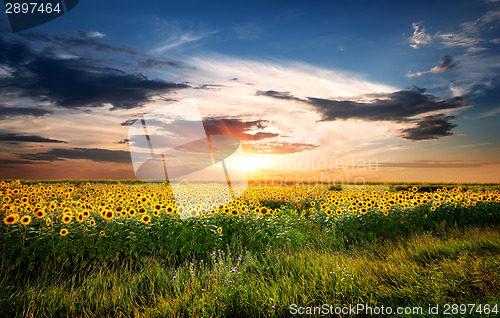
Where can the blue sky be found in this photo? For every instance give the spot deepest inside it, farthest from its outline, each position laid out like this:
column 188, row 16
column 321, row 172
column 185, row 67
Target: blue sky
column 410, row 85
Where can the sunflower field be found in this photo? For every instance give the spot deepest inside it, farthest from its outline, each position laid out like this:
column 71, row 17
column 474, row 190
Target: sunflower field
column 84, row 223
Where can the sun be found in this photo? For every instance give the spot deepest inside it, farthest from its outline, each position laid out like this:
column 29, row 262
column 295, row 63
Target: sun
column 249, row 162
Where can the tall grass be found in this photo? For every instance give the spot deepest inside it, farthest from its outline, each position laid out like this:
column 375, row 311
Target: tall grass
column 456, row 267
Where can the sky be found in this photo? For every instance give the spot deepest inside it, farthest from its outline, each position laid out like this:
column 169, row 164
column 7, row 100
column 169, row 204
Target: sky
column 345, row 91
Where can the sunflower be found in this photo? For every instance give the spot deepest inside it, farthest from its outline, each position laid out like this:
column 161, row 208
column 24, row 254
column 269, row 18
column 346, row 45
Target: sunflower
column 170, row 209
column 145, row 219
column 131, row 212
column 40, row 213
column 66, row 219
column 86, row 213
column 64, row 232
column 102, row 233
column 11, row 219
column 108, row 215
column 48, row 221
column 79, row 217
column 234, row 212
column 25, row 220
column 219, row 230
column 92, row 222
column 263, row 211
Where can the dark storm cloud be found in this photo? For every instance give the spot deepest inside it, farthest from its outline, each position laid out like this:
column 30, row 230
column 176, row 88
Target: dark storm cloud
column 400, row 107
column 94, row 154
column 430, row 127
column 12, row 137
column 6, row 112
column 43, row 75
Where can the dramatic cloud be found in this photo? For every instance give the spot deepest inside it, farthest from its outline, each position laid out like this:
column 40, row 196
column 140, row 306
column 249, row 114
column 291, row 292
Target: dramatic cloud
column 236, row 127
column 6, row 112
column 72, row 82
column 11, row 137
column 399, row 106
column 93, row 154
column 419, row 36
column 445, row 64
column 430, row 127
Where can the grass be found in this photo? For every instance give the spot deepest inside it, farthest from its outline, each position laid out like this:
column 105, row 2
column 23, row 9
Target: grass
column 458, row 266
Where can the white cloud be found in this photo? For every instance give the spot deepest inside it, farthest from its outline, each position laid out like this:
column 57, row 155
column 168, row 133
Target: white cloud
column 419, row 37
column 177, row 34
column 179, row 40
column 96, row 34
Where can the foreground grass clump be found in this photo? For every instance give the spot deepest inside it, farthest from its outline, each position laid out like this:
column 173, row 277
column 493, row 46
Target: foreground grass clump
column 453, row 268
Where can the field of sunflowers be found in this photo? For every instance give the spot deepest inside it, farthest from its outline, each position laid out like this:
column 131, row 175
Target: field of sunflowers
column 80, row 223
column 104, row 248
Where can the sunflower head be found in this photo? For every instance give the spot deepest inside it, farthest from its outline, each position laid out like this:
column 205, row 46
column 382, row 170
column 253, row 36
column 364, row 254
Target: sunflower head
column 25, row 220
column 11, row 219
column 145, row 219
column 64, row 232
